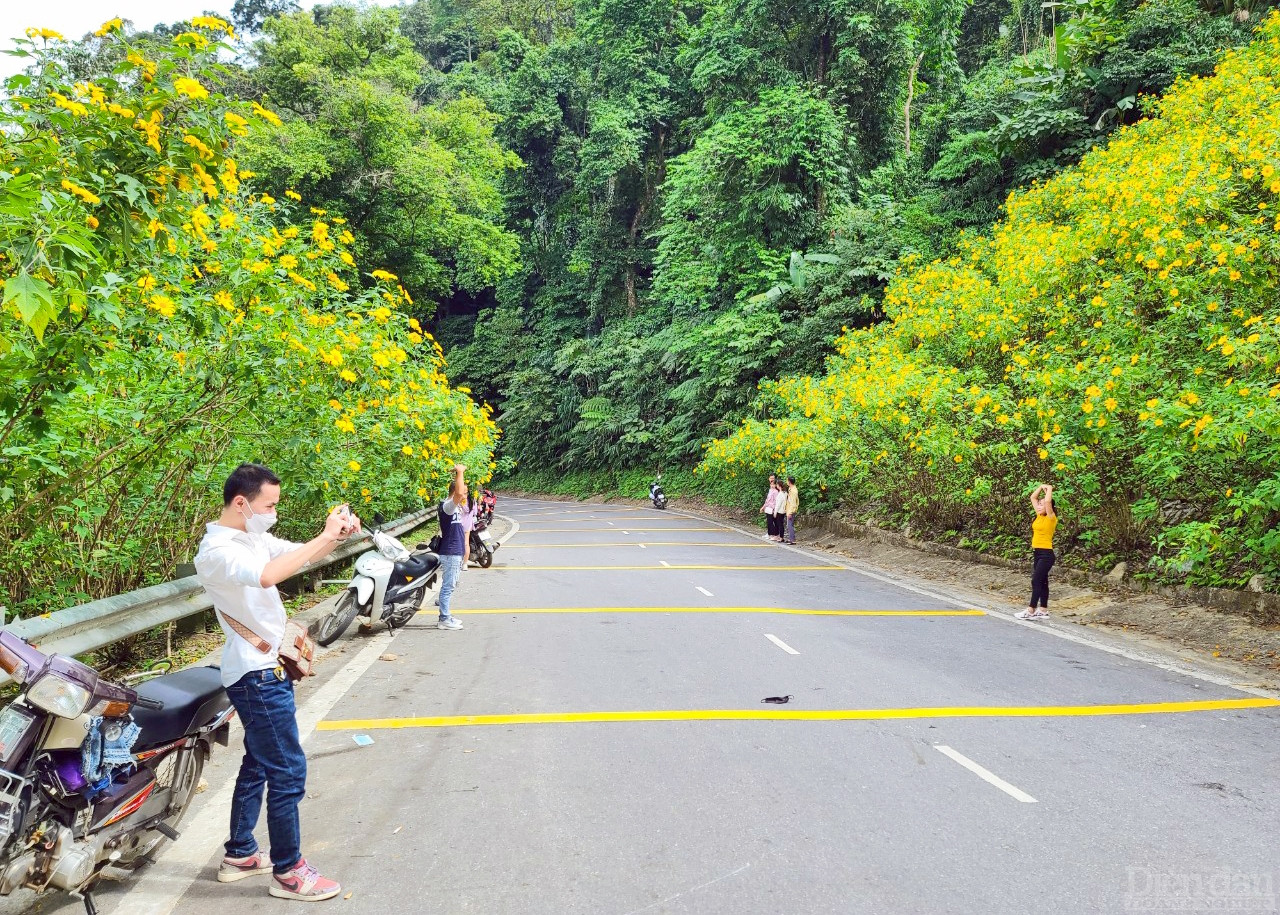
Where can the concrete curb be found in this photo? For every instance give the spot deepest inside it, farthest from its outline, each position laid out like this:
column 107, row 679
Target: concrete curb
column 1259, row 607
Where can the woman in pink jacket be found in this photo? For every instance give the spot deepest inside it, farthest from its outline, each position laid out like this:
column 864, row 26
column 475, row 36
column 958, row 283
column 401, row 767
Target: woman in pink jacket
column 772, row 509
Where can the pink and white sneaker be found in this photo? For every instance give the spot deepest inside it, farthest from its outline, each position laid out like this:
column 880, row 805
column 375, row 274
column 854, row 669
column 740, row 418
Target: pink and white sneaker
column 233, row 869
column 304, row 883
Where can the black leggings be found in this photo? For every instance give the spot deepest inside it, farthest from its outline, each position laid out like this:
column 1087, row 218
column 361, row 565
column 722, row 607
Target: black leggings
column 773, row 525
column 1041, row 564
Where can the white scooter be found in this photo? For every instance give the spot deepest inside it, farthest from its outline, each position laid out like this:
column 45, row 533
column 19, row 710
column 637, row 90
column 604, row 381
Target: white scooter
column 390, row 585
column 656, row 494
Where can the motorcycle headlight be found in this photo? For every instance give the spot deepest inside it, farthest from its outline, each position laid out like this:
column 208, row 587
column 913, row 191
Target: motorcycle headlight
column 58, row 696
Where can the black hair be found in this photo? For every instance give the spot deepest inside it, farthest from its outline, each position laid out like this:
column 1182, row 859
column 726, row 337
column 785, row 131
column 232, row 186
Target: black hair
column 247, row 480
column 791, row 480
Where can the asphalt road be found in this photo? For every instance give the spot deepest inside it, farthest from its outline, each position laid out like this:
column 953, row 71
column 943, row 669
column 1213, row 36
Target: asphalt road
column 619, row 760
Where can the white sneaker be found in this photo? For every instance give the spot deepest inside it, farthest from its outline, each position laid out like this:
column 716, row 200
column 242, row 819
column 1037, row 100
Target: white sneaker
column 451, row 623
column 1023, row 614
column 1040, row 614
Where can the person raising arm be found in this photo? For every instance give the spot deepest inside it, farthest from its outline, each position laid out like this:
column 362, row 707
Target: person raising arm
column 453, row 544
column 1042, row 555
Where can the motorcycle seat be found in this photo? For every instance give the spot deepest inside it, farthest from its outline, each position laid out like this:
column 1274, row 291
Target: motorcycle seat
column 415, row 566
column 191, row 697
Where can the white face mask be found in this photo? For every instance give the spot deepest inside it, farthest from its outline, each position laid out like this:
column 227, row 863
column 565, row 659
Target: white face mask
column 258, row 522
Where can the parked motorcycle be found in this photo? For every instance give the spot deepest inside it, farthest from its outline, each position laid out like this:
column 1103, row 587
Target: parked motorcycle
column 95, row 775
column 488, row 504
column 483, row 546
column 390, row 585
column 657, row 495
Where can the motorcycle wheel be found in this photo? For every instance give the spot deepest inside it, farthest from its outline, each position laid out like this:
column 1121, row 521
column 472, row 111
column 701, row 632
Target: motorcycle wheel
column 484, row 558
column 401, row 616
column 183, row 786
column 333, row 624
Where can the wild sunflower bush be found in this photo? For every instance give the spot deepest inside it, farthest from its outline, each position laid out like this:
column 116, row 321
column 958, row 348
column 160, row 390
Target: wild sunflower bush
column 1116, row 334
column 163, row 320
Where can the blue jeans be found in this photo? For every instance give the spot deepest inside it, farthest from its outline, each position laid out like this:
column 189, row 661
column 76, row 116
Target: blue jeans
column 450, row 567
column 273, row 760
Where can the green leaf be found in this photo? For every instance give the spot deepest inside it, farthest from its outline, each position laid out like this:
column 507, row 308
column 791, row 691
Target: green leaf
column 34, row 300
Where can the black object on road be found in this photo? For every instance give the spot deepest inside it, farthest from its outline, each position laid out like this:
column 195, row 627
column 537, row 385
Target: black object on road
column 777, row 700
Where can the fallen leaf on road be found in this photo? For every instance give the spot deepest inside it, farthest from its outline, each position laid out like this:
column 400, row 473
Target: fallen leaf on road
column 388, row 657
column 348, row 896
column 398, row 828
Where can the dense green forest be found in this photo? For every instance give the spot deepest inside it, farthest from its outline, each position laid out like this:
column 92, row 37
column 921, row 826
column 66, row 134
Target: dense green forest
column 626, row 228
column 664, row 162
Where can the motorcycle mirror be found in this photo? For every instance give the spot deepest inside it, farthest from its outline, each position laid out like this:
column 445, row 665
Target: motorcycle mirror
column 378, row 519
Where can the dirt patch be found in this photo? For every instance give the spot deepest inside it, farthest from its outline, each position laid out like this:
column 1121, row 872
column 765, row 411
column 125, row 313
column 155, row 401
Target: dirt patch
column 1248, row 650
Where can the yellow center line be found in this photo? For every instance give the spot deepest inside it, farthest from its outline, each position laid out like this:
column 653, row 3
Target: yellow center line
column 671, row 568
column 771, row 714
column 564, row 546
column 621, row 527
column 586, row 511
column 620, row 519
column 779, row 610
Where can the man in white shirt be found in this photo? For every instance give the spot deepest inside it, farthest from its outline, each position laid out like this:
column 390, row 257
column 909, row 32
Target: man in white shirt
column 239, row 564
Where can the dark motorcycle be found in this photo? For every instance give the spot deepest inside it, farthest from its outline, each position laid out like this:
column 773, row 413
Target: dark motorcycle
column 483, row 546
column 95, row 775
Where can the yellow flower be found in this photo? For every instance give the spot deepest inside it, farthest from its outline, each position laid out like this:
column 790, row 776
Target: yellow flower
column 237, row 124
column 46, row 34
column 354, row 465
column 185, row 85
column 163, row 304
column 269, row 116
column 383, row 275
column 407, row 449
column 348, row 376
column 111, row 25
column 87, row 196
column 211, row 22
column 68, row 104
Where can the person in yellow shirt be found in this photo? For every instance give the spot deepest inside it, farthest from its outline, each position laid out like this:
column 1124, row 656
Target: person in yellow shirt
column 1042, row 557
column 793, row 506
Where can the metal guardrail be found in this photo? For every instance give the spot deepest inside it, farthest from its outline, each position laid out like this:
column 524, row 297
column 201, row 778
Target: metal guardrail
column 99, row 623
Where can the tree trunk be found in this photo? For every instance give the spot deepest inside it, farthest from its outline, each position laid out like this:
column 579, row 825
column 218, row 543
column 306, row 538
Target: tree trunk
column 911, row 93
